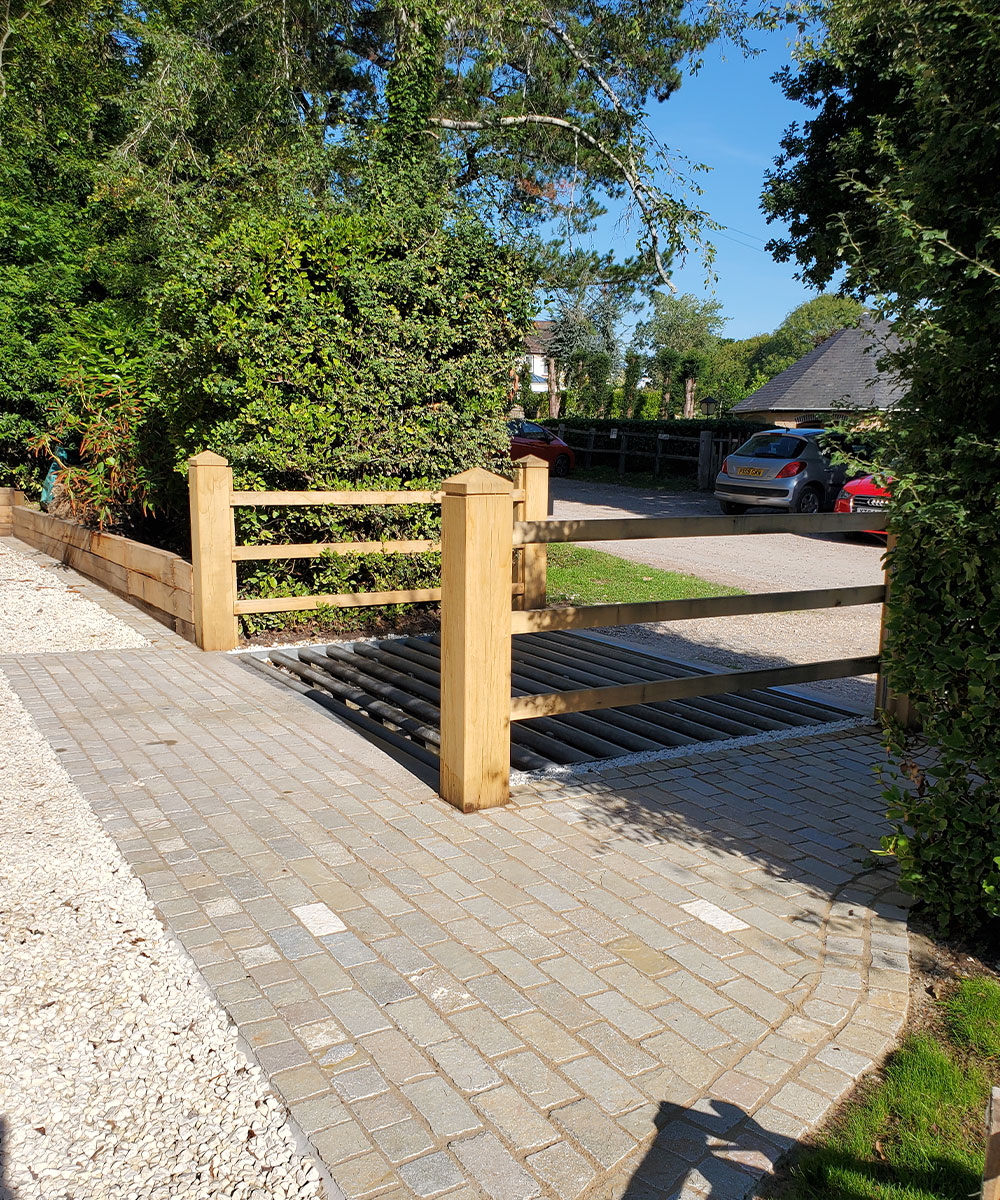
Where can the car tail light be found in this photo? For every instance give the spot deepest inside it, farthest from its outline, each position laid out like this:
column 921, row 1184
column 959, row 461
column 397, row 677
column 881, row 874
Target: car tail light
column 790, row 469
column 725, row 466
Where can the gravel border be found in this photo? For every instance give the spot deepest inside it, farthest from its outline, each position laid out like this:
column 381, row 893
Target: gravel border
column 121, row 1076
column 42, row 614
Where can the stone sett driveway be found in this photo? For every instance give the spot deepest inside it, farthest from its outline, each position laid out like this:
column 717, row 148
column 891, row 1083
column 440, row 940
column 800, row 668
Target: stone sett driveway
column 640, row 982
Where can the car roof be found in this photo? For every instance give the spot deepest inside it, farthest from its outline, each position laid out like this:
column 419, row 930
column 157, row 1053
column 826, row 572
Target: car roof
column 794, row 432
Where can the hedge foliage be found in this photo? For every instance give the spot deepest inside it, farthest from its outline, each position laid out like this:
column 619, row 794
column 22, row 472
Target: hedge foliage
column 342, row 351
column 894, row 179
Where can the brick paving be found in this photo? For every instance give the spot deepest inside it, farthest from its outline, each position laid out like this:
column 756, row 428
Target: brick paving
column 639, row 982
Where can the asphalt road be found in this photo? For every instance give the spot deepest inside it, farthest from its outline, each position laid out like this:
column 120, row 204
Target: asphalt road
column 755, row 563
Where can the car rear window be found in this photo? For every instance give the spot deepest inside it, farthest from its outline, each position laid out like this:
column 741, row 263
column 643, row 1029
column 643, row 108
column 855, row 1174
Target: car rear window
column 771, row 445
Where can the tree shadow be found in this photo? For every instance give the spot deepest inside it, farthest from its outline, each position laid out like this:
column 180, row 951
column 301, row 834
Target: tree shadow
column 717, row 1150
column 713, row 1148
column 7, row 1191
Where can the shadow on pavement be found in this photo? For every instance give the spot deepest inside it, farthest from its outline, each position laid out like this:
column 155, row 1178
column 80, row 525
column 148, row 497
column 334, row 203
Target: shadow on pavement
column 722, row 1153
column 715, row 1149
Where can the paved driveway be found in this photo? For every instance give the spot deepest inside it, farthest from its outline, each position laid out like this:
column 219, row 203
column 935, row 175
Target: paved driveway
column 646, row 982
column 765, row 563
column 641, row 983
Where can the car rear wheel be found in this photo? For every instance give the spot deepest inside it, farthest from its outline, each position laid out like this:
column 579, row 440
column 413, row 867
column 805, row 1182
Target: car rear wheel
column 731, row 509
column 808, row 501
column 560, row 467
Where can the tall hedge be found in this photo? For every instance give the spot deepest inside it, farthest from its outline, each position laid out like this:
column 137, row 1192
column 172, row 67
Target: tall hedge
column 337, row 351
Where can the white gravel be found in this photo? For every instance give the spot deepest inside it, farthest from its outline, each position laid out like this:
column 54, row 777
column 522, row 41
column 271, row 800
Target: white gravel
column 41, row 614
column 120, row 1076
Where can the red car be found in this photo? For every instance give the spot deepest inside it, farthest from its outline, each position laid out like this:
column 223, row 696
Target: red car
column 528, row 438
column 863, row 495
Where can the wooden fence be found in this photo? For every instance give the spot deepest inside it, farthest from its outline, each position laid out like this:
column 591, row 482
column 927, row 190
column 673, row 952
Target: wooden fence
column 214, row 552
column 477, row 539
column 623, row 447
column 991, row 1168
column 158, row 582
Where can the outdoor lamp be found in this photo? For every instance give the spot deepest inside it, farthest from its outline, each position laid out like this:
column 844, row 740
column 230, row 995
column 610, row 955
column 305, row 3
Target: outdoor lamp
column 708, row 405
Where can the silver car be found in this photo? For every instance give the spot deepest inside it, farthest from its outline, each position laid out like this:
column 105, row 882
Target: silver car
column 780, row 468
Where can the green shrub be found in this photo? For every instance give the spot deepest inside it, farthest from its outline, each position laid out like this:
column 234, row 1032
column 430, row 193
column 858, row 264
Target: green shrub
column 343, row 351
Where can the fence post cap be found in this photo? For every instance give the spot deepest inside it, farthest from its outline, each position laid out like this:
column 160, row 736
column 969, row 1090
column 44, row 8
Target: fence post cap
column 476, row 482
column 208, row 459
column 532, row 460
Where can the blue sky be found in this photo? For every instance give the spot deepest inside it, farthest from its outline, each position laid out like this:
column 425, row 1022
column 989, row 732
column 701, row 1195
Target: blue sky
column 731, row 117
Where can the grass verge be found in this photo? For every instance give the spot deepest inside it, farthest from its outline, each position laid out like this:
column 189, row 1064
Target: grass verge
column 915, row 1132
column 581, row 576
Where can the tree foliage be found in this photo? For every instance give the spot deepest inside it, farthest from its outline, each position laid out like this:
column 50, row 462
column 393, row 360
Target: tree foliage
column 894, row 177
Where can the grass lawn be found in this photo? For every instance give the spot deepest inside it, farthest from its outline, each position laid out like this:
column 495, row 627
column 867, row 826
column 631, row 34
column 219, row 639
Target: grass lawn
column 917, row 1131
column 581, row 576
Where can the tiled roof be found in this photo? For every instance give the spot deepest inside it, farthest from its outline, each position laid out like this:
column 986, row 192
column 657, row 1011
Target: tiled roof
column 840, row 373
column 537, row 342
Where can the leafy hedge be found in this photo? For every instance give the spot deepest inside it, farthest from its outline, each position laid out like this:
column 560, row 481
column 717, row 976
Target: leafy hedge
column 341, row 351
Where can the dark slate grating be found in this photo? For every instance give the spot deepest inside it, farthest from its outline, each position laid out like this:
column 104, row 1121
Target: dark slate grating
column 389, row 690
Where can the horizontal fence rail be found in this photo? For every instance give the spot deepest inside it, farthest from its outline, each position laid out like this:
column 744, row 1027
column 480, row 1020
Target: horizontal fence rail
column 316, row 549
column 277, row 604
column 533, row 533
column 356, row 499
column 547, row 704
column 595, row 616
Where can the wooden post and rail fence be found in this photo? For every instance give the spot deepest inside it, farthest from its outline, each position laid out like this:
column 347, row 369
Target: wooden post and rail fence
column 215, row 553
column 707, row 449
column 488, row 524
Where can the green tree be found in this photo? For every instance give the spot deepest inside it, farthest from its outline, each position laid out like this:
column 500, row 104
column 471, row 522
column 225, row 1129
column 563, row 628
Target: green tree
column 633, row 373
column 682, row 323
column 804, row 329
column 62, row 74
column 894, row 178
column 730, row 372
column 666, row 368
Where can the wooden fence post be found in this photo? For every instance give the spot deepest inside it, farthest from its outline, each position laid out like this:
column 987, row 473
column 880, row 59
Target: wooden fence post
column 588, row 455
column 886, row 699
column 705, row 459
column 476, row 551
column 10, row 498
column 991, row 1171
column 534, row 559
column 517, row 564
column 213, row 576
column 622, row 452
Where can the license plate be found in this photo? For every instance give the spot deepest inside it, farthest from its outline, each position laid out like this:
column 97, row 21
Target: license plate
column 750, row 471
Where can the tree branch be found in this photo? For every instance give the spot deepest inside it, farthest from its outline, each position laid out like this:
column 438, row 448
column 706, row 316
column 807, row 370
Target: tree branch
column 644, row 195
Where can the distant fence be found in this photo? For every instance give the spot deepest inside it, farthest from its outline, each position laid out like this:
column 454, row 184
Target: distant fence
column 648, row 450
column 158, row 582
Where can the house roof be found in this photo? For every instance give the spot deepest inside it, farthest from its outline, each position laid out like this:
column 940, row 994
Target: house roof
column 538, row 342
column 840, row 373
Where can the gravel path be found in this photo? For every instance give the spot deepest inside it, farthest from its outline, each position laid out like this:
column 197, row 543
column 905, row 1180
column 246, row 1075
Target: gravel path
column 775, row 562
column 120, row 1077
column 41, row 613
